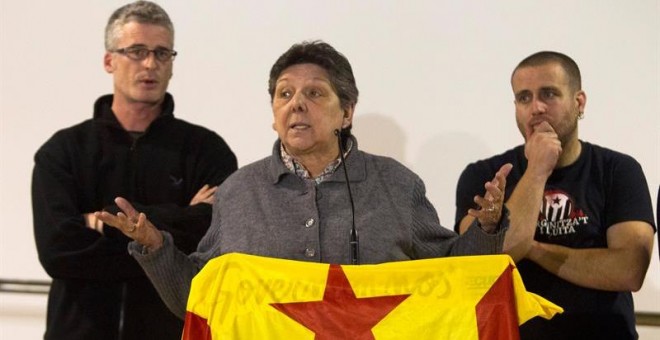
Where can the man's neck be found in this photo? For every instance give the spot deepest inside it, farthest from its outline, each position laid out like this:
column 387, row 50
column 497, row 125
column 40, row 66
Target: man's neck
column 570, row 153
column 136, row 116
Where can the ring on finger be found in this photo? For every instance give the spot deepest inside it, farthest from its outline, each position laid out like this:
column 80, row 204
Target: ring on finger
column 132, row 228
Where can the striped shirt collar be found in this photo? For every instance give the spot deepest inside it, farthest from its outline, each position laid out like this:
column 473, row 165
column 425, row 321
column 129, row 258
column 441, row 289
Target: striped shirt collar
column 299, row 170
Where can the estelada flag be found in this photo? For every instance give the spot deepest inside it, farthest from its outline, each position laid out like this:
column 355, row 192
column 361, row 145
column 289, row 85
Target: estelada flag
column 237, row 296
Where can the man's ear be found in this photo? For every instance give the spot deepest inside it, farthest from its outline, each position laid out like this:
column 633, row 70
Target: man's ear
column 581, row 98
column 108, row 62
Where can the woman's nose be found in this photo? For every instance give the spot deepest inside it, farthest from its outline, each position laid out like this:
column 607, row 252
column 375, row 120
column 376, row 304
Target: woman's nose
column 298, row 103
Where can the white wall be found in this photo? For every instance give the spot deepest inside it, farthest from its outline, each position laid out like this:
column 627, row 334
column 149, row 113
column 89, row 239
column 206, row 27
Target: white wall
column 433, row 76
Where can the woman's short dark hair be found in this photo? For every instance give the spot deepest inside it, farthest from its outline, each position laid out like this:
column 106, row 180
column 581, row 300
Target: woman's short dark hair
column 322, row 54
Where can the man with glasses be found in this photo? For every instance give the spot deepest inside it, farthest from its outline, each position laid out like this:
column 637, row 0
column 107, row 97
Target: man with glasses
column 132, row 147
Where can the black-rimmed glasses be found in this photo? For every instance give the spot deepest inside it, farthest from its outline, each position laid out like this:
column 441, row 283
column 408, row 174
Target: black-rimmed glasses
column 140, row 53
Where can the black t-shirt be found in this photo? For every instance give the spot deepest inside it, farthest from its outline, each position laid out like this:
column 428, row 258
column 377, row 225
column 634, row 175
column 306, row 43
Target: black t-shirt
column 581, row 201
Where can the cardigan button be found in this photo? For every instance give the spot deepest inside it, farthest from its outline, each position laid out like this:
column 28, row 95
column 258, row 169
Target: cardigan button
column 310, row 252
column 309, row 223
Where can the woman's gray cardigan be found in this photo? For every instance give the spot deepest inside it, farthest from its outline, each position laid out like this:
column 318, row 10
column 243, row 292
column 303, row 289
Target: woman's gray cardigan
column 264, row 209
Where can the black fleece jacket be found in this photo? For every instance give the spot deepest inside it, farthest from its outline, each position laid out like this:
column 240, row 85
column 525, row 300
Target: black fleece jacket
column 98, row 290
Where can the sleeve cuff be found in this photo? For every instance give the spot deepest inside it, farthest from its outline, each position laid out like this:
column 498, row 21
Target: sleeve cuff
column 139, row 251
column 502, row 225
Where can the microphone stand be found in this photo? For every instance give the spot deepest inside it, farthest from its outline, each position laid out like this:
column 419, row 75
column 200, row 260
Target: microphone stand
column 353, row 241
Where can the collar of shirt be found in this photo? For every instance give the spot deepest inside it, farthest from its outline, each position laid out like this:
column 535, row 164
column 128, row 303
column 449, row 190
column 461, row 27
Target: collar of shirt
column 299, row 170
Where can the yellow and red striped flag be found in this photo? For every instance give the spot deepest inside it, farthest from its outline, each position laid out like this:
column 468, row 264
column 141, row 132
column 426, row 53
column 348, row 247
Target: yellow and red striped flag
column 238, row 296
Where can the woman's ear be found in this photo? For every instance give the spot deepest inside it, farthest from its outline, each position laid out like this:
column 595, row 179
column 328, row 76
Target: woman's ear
column 348, row 116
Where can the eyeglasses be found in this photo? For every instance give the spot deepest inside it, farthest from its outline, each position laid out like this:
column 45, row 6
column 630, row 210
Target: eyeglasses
column 139, row 53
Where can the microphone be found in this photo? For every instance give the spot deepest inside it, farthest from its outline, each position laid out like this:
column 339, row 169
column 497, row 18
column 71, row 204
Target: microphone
column 353, row 241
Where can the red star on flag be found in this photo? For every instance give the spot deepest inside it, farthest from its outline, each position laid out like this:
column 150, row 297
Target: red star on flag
column 341, row 315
